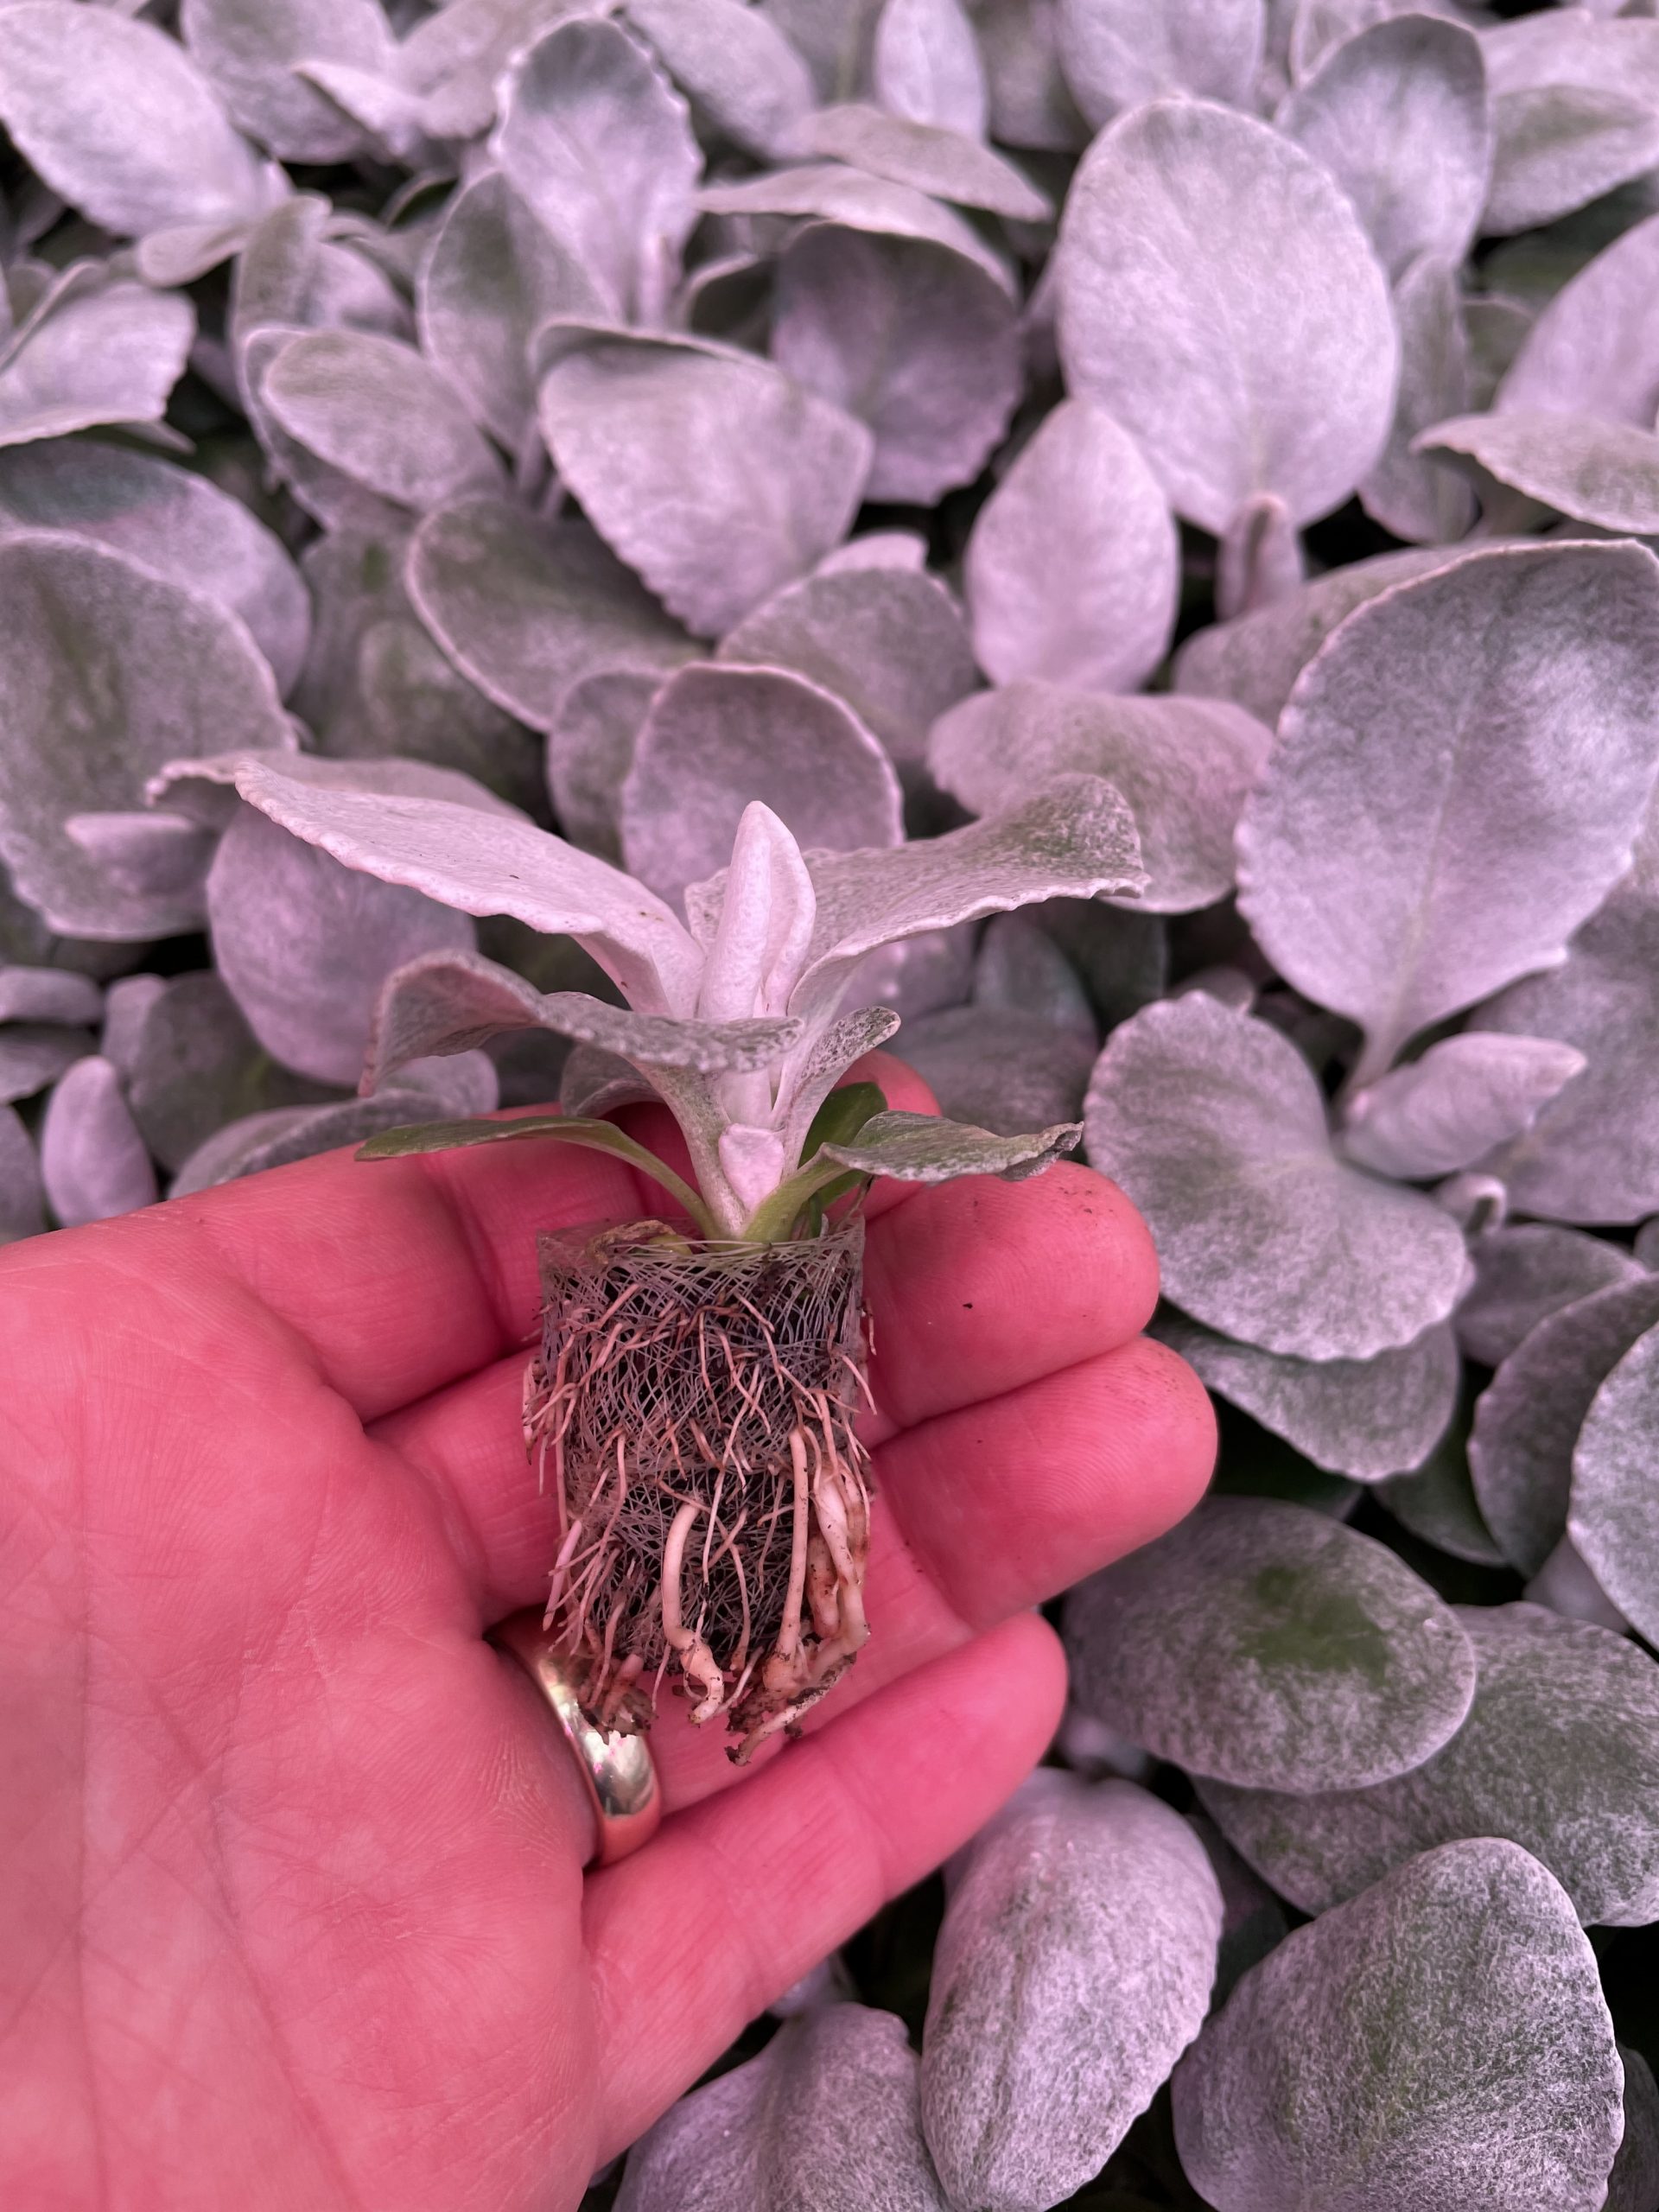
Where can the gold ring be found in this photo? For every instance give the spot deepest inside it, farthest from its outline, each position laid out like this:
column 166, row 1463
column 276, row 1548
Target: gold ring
column 617, row 1771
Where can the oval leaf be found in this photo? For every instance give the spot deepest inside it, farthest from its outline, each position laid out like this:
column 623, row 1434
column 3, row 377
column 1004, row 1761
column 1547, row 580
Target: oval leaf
column 1072, row 568
column 1073, row 1968
column 1525, row 1273
column 1397, row 883
column 1218, row 296
column 1304, row 2092
column 1449, row 1109
column 93, row 1163
column 1266, row 1644
column 1559, row 1754
column 1213, row 1124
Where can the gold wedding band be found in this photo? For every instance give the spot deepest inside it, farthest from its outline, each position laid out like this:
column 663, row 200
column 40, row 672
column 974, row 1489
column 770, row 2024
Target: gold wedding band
column 616, row 1770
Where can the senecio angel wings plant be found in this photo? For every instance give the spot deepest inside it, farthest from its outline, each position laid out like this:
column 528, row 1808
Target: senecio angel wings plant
column 694, row 1400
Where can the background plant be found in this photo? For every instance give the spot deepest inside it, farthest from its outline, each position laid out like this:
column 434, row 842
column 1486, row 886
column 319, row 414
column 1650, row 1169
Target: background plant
column 875, row 407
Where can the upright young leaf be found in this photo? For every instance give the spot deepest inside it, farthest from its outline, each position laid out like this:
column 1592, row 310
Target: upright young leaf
column 1559, row 1754
column 169, row 519
column 1218, row 296
column 1506, row 2093
column 1614, row 1515
column 1118, row 53
column 1527, row 1419
column 600, row 144
column 494, row 274
column 717, row 737
column 1266, row 1644
column 925, row 66
column 1074, row 1967
column 1185, row 766
column 1072, row 570
column 1214, row 1124
column 1399, row 115
column 1395, row 884
column 891, row 643
column 736, row 65
column 251, row 50
column 528, row 609
column 107, row 670
column 716, row 477
column 1030, row 104
column 912, row 338
column 93, row 1163
column 116, row 118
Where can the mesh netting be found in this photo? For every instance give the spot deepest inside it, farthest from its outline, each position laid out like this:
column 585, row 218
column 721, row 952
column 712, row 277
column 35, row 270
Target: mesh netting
column 692, row 1405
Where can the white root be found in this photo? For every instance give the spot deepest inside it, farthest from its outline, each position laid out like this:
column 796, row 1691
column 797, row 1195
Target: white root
column 697, row 1662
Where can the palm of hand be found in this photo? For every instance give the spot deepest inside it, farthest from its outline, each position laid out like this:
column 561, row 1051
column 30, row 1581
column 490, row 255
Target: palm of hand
column 294, row 1913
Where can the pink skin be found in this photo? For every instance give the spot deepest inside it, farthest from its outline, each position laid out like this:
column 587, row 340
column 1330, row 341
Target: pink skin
column 292, row 1912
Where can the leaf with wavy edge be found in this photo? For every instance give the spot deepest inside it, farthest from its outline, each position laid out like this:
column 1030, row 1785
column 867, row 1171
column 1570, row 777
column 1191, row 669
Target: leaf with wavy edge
column 1367, row 1417
column 738, row 67
column 1185, row 766
column 1117, row 53
column 444, row 1002
column 97, row 352
column 711, row 473
column 376, row 411
column 484, row 863
column 1524, row 1272
column 1606, row 473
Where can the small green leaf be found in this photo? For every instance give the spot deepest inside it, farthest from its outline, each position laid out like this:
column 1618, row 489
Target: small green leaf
column 842, row 1114
column 596, row 1137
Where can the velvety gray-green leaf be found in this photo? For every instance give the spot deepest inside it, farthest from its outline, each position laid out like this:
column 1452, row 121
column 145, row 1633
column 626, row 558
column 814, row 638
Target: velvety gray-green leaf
column 1367, row 1417
column 1213, row 1124
column 1505, row 2093
column 93, row 1163
column 1265, row 1644
column 1183, row 765
column 1559, row 1754
column 1528, row 1420
column 1073, row 1967
column 1397, row 883
column 1614, row 1514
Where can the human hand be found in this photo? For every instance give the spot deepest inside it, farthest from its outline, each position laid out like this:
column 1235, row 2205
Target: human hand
column 293, row 1912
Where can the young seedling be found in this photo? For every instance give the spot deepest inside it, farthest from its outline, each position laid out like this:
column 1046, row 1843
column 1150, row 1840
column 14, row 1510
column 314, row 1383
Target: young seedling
column 694, row 1401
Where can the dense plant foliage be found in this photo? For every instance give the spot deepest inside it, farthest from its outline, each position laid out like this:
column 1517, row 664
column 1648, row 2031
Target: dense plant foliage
column 599, row 418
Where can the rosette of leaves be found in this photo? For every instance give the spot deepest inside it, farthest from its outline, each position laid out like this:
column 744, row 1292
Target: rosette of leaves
column 732, row 1019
